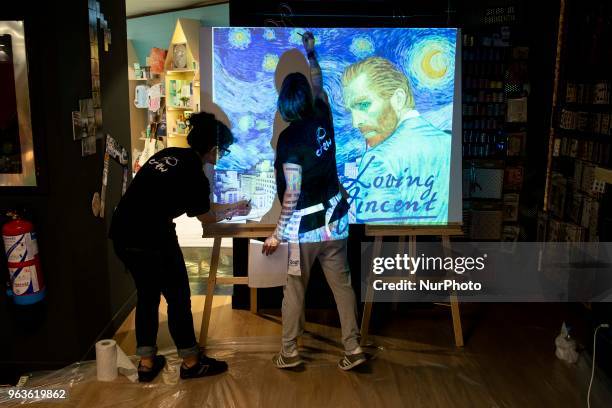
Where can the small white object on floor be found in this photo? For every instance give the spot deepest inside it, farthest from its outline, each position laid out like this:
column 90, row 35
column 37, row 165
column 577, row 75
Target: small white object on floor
column 111, row 360
column 566, row 346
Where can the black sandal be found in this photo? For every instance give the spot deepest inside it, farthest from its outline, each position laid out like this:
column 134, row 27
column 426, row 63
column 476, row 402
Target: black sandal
column 146, row 374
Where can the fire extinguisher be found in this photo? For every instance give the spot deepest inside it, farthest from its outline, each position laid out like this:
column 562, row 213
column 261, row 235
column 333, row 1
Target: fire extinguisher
column 26, row 280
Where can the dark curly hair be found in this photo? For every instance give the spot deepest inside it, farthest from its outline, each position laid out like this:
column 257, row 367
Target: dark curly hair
column 207, row 132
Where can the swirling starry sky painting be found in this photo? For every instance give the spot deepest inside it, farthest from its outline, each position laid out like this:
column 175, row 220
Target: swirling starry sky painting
column 245, row 60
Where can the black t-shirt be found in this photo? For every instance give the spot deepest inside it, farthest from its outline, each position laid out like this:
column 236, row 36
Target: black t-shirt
column 171, row 183
column 310, row 143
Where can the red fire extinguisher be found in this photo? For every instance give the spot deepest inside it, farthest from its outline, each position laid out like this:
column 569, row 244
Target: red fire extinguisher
column 26, row 280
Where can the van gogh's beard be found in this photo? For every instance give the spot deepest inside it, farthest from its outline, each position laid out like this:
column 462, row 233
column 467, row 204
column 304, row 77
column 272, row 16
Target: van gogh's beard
column 386, row 125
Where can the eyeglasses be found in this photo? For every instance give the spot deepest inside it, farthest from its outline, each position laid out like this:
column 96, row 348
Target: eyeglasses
column 222, row 151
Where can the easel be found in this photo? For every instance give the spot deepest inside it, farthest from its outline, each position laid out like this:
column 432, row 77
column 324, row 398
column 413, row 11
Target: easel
column 380, row 231
column 218, row 232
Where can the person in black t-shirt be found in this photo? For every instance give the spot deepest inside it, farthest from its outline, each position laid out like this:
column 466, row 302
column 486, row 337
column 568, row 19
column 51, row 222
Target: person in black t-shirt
column 171, row 183
column 314, row 215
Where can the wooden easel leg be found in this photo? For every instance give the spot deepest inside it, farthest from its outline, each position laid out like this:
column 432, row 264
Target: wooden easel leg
column 456, row 320
column 254, row 300
column 412, row 240
column 454, row 302
column 253, row 296
column 212, row 280
column 401, row 248
column 367, row 308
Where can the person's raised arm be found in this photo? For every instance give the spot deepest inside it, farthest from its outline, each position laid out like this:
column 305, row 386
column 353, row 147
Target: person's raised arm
column 316, row 77
column 293, row 180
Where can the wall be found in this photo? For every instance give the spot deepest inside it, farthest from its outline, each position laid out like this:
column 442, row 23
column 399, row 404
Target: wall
column 156, row 30
column 87, row 286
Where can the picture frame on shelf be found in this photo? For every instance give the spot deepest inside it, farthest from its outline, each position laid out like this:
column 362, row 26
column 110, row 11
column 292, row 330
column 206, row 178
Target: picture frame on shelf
column 179, row 56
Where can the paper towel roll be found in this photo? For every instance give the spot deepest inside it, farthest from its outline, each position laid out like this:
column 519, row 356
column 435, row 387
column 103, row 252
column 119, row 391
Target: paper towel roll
column 111, row 360
column 106, row 360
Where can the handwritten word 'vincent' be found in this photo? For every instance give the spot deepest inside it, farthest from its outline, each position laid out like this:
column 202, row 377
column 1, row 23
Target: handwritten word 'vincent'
column 420, row 204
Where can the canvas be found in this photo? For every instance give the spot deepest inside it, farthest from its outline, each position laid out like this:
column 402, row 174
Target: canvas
column 405, row 178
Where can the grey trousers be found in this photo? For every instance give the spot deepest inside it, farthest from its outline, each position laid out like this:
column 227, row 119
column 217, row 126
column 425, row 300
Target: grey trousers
column 333, row 259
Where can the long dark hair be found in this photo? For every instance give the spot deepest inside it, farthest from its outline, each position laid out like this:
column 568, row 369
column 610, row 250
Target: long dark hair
column 295, row 98
column 207, row 132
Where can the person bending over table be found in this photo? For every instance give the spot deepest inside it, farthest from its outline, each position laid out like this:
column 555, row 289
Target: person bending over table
column 171, row 183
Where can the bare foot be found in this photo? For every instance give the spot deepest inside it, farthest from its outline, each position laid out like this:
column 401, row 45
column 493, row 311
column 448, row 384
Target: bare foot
column 146, row 363
column 190, row 361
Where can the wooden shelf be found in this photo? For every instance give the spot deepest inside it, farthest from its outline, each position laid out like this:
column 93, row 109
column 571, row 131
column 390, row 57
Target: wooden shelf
column 179, row 71
column 178, row 108
column 145, row 138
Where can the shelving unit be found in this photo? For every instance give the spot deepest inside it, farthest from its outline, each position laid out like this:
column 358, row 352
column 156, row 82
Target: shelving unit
column 577, row 203
column 180, row 71
column 142, row 119
column 578, row 197
column 138, row 117
column 182, row 82
column 494, row 136
column 177, row 108
column 581, row 155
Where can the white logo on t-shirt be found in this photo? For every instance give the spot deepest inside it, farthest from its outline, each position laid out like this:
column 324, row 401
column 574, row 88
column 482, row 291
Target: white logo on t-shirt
column 324, row 143
column 162, row 164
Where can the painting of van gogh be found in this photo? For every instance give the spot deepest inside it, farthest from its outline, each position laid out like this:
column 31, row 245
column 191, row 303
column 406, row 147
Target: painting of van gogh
column 391, row 95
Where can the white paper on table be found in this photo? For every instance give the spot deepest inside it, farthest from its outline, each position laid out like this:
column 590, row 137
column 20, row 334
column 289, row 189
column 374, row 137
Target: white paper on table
column 267, row 271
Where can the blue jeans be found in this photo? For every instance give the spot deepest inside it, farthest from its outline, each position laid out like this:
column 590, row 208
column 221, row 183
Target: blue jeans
column 158, row 271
